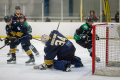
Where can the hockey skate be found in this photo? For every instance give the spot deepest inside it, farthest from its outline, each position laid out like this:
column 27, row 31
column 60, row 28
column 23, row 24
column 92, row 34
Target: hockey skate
column 12, row 60
column 31, row 60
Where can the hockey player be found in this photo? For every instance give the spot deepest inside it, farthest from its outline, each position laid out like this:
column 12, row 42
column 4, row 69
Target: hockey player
column 15, row 16
column 17, row 34
column 83, row 36
column 29, row 30
column 58, row 45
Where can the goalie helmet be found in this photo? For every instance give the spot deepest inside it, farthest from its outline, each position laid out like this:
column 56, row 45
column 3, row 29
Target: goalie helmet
column 44, row 38
column 7, row 18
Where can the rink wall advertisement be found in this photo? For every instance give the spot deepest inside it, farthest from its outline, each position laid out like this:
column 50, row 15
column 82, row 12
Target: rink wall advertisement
column 40, row 28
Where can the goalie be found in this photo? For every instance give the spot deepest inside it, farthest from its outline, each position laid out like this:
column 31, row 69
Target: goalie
column 83, row 36
column 57, row 45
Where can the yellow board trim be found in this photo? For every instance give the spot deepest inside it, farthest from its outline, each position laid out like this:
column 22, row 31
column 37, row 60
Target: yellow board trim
column 48, row 62
column 29, row 52
column 12, row 50
column 38, row 37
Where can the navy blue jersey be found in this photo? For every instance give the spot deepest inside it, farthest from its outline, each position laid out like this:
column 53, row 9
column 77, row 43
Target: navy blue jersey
column 57, row 45
column 15, row 16
column 15, row 29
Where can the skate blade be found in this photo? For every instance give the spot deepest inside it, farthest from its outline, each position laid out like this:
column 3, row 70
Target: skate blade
column 37, row 55
column 30, row 64
column 8, row 55
column 13, row 62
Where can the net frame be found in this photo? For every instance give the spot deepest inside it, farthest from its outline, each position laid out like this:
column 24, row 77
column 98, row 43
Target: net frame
column 108, row 64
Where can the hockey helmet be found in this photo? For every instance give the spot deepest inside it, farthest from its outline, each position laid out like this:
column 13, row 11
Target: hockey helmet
column 7, row 18
column 17, row 7
column 89, row 19
column 22, row 17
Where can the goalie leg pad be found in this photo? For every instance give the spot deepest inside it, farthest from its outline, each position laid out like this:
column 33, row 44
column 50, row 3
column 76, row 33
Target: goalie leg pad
column 61, row 64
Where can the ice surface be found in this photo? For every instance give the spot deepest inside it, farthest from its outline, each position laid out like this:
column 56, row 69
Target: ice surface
column 20, row 71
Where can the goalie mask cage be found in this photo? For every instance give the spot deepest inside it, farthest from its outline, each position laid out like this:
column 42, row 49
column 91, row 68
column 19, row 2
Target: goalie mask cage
column 107, row 48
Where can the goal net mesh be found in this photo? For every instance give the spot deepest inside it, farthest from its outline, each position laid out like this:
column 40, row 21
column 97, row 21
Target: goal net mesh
column 107, row 48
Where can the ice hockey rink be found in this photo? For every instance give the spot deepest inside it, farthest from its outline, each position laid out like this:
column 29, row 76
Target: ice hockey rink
column 20, row 71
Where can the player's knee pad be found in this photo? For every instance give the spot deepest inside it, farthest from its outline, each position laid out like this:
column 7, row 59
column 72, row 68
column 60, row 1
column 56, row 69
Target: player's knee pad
column 12, row 50
column 28, row 52
column 60, row 64
column 77, row 62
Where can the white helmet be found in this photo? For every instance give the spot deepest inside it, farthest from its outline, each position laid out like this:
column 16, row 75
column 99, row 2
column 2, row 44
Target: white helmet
column 44, row 38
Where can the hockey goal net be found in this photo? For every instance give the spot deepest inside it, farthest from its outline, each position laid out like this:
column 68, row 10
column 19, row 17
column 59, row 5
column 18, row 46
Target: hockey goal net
column 107, row 48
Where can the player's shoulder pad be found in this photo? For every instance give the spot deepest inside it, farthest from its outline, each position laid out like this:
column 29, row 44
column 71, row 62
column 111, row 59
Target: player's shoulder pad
column 85, row 26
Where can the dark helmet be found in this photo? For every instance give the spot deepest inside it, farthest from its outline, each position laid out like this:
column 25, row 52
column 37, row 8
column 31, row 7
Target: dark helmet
column 7, row 18
column 22, row 17
column 89, row 19
column 17, row 7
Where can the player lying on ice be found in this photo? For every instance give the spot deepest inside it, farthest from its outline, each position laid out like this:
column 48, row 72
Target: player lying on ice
column 17, row 34
column 58, row 45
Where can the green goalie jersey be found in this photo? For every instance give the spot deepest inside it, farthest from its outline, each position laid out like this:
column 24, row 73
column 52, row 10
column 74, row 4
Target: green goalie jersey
column 28, row 27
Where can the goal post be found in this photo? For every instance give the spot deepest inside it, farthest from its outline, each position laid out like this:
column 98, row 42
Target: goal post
column 107, row 48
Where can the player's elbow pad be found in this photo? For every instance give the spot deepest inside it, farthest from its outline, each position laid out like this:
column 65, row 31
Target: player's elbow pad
column 19, row 34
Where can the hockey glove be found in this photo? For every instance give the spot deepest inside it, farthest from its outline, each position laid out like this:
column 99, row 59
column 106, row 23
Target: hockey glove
column 7, row 41
column 43, row 66
column 30, row 36
column 14, row 39
column 96, row 37
column 83, row 38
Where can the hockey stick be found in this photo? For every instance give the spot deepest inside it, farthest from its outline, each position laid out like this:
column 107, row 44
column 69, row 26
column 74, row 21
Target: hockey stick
column 36, row 39
column 58, row 25
column 2, row 39
column 5, row 45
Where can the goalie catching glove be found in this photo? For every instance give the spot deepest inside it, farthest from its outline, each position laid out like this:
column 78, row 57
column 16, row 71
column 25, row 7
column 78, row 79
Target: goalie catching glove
column 41, row 66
